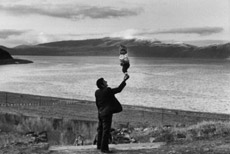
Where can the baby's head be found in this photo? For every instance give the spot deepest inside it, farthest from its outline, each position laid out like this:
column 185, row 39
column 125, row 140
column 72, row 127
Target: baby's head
column 123, row 49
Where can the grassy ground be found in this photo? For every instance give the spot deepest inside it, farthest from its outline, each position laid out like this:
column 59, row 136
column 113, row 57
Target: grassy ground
column 208, row 137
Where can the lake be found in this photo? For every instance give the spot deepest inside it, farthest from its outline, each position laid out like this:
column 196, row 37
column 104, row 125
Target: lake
column 196, row 85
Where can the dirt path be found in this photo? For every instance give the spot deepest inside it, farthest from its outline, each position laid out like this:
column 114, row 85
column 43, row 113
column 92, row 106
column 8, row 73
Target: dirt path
column 116, row 148
column 214, row 146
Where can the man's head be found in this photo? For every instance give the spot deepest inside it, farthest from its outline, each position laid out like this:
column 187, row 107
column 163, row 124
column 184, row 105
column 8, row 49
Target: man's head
column 101, row 83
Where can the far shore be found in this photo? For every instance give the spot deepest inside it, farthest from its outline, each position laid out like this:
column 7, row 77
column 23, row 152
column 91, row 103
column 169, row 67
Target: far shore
column 14, row 61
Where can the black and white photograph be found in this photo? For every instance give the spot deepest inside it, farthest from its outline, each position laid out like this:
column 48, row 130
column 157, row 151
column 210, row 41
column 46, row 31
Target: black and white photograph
column 114, row 76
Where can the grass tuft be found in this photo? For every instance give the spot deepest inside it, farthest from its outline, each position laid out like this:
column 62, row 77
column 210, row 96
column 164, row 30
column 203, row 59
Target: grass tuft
column 34, row 125
column 203, row 130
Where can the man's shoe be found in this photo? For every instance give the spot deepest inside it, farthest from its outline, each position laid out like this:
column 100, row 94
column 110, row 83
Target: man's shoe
column 106, row 151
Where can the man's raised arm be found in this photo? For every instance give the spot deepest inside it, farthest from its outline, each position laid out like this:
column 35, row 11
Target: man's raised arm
column 121, row 86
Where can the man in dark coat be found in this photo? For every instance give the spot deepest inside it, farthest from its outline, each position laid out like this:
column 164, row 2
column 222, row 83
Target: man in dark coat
column 107, row 105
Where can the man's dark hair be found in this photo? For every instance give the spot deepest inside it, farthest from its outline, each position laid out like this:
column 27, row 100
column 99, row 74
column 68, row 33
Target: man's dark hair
column 100, row 83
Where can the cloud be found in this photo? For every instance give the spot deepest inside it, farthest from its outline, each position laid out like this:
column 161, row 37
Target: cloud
column 75, row 12
column 34, row 37
column 170, row 33
column 6, row 33
column 194, row 30
column 127, row 34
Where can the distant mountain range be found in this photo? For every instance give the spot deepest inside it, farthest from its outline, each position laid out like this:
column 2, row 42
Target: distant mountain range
column 201, row 43
column 136, row 48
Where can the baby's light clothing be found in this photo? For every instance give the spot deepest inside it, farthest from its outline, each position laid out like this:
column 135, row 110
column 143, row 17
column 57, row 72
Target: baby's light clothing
column 124, row 58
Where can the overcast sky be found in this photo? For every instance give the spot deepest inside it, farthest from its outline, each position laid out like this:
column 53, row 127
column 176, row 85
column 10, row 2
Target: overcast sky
column 40, row 21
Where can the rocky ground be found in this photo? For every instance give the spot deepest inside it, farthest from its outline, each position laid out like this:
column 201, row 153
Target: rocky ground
column 23, row 148
column 14, row 143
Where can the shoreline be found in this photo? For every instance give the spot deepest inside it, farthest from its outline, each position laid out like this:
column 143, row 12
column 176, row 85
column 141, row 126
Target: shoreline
column 15, row 61
column 179, row 59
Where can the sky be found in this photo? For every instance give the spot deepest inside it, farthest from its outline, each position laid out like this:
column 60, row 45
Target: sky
column 29, row 22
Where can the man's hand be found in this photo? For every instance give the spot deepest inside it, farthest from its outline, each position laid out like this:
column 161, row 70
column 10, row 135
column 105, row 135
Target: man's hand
column 126, row 77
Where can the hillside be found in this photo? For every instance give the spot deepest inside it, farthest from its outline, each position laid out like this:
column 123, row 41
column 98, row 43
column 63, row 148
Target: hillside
column 4, row 55
column 6, row 58
column 137, row 48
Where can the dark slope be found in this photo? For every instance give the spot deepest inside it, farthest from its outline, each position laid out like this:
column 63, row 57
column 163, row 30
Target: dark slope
column 6, row 58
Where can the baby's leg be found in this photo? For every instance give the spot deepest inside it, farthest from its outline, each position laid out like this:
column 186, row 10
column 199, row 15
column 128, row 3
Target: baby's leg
column 125, row 68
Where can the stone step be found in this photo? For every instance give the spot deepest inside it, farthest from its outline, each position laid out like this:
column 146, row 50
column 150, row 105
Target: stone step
column 131, row 146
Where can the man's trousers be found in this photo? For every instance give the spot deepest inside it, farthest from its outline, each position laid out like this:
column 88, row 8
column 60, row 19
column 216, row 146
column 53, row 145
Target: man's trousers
column 103, row 129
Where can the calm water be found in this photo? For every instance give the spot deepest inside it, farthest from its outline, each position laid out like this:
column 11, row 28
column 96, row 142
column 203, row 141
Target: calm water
column 168, row 83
